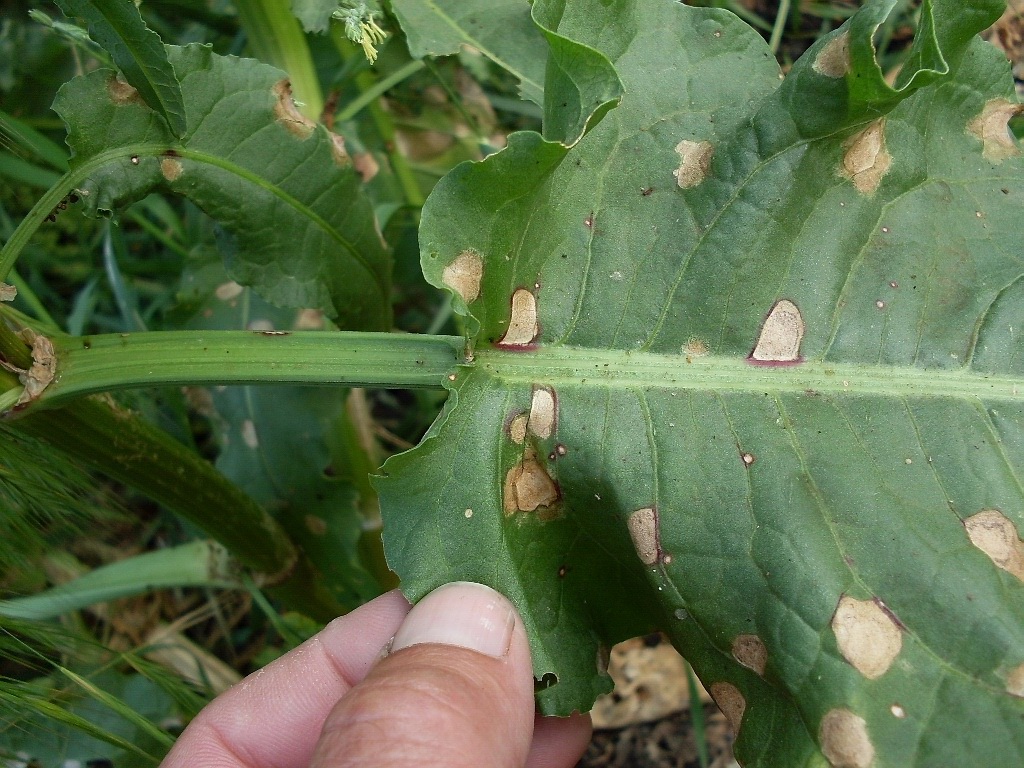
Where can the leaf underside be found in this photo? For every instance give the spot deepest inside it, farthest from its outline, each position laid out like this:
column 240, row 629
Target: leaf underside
column 303, row 231
column 825, row 500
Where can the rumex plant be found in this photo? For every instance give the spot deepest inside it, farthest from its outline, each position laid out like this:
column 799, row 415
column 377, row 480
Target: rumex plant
column 742, row 357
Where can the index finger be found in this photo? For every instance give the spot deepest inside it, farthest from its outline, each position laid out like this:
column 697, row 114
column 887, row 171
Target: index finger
column 272, row 719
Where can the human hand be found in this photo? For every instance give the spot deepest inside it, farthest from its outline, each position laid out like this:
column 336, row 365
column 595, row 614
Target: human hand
column 455, row 690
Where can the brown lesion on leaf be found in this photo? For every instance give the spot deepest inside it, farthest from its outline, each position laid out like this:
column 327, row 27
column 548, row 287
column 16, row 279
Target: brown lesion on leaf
column 867, row 635
column 694, row 162
column 42, row 371
column 992, row 128
column 543, row 412
column 315, row 525
column 171, row 168
column 339, row 152
column 366, row 166
column 866, row 159
column 8, row 292
column 729, row 699
column 1015, row 681
column 833, row 60
column 645, row 532
column 750, row 651
column 464, row 275
column 845, row 741
column 522, row 325
column 695, row 347
column 995, row 534
column 781, row 334
column 528, row 486
column 288, row 114
column 121, row 92
column 516, row 428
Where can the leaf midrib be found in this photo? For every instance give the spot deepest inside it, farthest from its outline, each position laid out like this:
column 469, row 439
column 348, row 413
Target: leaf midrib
column 576, row 366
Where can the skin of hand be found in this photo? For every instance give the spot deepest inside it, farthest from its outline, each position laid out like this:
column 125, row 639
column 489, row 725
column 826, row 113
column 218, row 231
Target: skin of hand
column 445, row 683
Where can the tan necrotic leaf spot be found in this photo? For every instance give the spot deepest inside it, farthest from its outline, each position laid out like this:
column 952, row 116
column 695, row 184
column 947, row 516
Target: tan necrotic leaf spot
column 995, row 535
column 750, row 651
column 845, row 741
column 522, row 325
column 464, row 275
column 729, row 699
column 8, row 292
column 694, row 162
column 781, row 334
column 517, row 428
column 992, row 127
column 1015, row 681
column 288, row 115
column 867, row 636
column 171, row 169
column 122, row 92
column 866, row 159
column 643, row 530
column 528, row 486
column 543, row 412
column 833, row 60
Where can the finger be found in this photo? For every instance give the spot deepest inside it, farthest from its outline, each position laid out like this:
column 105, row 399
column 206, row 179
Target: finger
column 457, row 691
column 273, row 718
column 559, row 742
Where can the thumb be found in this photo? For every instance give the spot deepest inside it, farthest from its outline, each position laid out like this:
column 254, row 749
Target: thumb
column 455, row 691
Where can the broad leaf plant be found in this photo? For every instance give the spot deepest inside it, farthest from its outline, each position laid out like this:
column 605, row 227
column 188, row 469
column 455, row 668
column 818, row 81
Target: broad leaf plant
column 743, row 356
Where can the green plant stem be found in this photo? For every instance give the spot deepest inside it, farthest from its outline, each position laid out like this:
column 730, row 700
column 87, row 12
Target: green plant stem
column 378, row 89
column 127, row 449
column 779, row 27
column 276, row 37
column 116, row 361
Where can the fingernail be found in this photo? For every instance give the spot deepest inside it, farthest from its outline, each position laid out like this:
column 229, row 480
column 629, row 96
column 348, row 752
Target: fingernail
column 463, row 614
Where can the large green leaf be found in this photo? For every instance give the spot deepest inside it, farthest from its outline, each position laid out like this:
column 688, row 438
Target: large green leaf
column 773, row 399
column 305, row 234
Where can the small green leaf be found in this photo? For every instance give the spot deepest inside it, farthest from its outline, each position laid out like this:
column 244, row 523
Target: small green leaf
column 748, row 367
column 117, row 26
column 304, row 232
